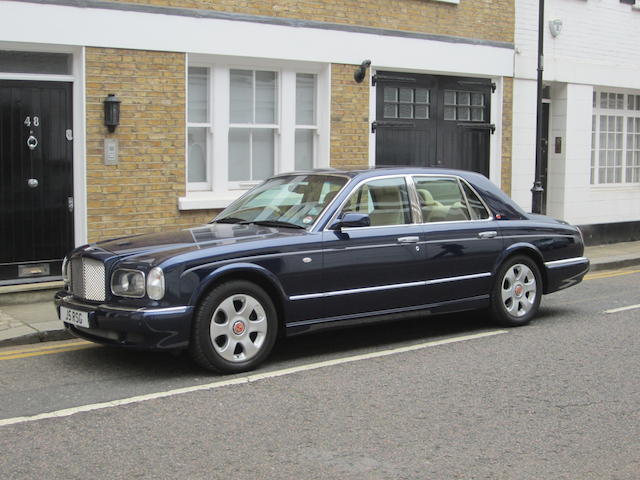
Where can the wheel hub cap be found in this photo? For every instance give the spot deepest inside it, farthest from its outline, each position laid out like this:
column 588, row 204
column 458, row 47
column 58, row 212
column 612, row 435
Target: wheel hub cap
column 239, row 327
column 519, row 290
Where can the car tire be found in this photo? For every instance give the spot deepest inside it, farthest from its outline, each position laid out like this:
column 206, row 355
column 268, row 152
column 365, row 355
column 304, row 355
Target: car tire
column 516, row 294
column 234, row 328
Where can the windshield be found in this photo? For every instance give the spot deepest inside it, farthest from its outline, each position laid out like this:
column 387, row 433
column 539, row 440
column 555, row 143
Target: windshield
column 294, row 201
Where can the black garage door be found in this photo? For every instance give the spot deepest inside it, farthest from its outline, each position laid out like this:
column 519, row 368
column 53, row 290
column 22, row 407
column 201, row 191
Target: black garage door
column 433, row 121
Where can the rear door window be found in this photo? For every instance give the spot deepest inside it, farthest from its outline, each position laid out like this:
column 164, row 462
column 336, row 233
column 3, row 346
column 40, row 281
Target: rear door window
column 441, row 199
column 476, row 207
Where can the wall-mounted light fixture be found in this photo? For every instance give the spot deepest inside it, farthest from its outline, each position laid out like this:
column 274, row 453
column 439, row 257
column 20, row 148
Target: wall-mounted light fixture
column 360, row 72
column 555, row 27
column 111, row 112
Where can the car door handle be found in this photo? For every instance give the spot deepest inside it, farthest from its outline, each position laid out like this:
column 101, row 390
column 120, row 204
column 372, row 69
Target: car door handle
column 489, row 234
column 408, row 240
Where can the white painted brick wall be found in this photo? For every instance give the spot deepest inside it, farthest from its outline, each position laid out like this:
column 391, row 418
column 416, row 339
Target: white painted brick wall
column 598, row 46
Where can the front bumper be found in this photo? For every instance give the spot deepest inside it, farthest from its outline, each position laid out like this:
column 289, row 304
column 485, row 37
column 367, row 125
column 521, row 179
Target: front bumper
column 143, row 328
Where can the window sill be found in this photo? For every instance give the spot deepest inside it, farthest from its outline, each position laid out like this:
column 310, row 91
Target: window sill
column 618, row 187
column 208, row 200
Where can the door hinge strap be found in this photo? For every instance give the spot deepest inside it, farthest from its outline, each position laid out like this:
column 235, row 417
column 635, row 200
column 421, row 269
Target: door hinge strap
column 380, row 77
column 479, row 126
column 375, row 125
column 479, row 83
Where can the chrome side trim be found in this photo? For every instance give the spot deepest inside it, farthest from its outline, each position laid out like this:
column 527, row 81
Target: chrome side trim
column 356, row 290
column 456, row 279
column 540, row 235
column 566, row 262
column 378, row 288
column 109, row 308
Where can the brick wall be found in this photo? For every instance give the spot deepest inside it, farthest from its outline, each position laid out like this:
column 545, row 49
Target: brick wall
column 484, row 19
column 349, row 119
column 507, row 137
column 139, row 194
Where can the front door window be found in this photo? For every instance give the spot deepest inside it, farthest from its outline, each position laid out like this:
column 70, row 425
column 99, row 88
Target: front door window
column 386, row 201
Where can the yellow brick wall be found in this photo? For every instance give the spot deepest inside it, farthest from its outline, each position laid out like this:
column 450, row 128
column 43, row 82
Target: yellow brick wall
column 507, row 138
column 139, row 194
column 484, row 19
column 349, row 119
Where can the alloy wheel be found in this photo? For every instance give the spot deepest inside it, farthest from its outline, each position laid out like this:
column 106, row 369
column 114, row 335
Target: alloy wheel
column 238, row 328
column 519, row 290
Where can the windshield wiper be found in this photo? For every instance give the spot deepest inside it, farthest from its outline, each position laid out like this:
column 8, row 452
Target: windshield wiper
column 277, row 223
column 230, row 220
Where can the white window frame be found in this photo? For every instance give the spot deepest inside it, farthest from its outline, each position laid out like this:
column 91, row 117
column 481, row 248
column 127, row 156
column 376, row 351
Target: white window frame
column 208, row 126
column 625, row 113
column 218, row 191
column 302, row 126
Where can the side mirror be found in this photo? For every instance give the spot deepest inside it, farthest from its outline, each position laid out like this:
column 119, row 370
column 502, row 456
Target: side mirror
column 351, row 220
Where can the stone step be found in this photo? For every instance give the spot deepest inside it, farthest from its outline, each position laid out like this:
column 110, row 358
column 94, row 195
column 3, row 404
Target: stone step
column 29, row 292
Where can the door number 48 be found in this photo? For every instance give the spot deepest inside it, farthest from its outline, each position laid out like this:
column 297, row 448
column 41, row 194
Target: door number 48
column 29, row 121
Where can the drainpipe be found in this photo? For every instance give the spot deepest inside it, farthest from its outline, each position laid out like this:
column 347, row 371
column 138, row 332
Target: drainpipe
column 537, row 189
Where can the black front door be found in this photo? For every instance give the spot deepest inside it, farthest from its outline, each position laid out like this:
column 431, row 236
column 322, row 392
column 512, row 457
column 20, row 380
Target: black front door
column 36, row 179
column 433, row 121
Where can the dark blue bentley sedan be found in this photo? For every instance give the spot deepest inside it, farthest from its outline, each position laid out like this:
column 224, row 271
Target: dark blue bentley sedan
column 310, row 250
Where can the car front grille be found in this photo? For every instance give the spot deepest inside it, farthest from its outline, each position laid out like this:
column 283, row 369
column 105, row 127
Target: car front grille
column 87, row 279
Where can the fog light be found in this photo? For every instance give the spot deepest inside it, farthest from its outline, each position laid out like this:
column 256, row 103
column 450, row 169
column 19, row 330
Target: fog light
column 155, row 284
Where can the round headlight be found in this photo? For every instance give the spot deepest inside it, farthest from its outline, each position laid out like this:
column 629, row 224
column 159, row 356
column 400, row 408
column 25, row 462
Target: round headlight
column 128, row 283
column 155, row 284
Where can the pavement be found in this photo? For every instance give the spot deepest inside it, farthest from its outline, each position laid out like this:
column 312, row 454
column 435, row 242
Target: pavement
column 29, row 316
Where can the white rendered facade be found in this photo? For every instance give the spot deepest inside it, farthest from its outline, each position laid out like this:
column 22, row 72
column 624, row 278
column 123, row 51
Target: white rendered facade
column 595, row 51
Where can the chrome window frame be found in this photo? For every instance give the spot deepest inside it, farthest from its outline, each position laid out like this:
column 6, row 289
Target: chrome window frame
column 458, row 180
column 412, row 203
column 475, row 192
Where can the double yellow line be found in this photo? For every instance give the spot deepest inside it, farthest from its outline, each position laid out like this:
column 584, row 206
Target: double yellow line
column 609, row 274
column 47, row 349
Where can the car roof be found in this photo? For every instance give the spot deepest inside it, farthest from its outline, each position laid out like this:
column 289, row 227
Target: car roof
column 497, row 200
column 381, row 170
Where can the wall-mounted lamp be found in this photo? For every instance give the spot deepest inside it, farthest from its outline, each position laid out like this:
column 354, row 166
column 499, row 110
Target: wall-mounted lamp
column 111, row 112
column 555, row 27
column 360, row 72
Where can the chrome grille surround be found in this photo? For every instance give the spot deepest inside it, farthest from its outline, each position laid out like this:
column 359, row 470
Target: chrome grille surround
column 88, row 279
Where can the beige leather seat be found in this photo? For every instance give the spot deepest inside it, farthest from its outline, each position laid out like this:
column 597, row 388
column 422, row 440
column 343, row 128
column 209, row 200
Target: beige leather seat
column 432, row 210
column 387, row 207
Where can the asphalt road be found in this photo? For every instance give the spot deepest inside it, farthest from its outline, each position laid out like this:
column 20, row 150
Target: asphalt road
column 448, row 397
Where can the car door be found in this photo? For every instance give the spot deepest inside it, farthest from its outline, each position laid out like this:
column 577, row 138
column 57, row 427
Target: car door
column 379, row 267
column 462, row 239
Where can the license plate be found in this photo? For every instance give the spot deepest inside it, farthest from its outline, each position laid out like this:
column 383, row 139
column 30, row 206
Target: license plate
column 74, row 317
